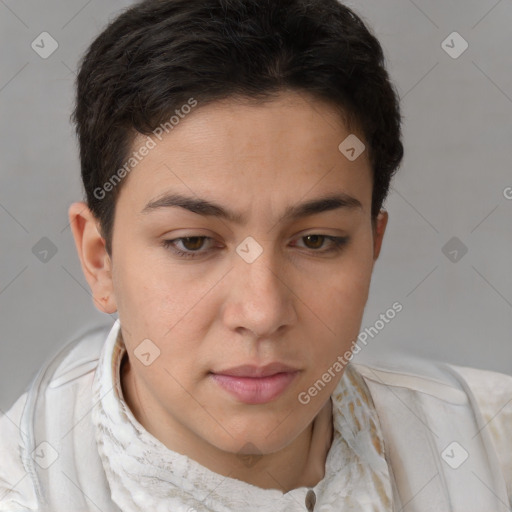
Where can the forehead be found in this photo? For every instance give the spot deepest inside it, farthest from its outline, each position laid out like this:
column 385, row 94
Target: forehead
column 241, row 152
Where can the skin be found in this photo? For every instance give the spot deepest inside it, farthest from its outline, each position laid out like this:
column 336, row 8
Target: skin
column 292, row 304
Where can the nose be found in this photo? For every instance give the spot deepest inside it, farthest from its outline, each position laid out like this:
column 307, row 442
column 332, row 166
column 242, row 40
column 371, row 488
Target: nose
column 260, row 298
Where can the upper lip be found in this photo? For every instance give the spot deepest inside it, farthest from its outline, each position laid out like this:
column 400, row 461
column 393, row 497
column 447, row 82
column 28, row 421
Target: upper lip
column 248, row 370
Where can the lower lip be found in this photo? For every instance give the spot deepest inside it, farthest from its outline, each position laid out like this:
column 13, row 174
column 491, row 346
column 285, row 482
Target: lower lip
column 255, row 390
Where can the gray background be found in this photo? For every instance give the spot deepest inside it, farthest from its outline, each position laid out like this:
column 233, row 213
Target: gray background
column 457, row 137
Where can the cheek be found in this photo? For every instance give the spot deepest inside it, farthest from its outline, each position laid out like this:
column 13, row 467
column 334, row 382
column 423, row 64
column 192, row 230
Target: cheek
column 341, row 293
column 141, row 296
column 340, row 302
column 160, row 303
column 146, row 284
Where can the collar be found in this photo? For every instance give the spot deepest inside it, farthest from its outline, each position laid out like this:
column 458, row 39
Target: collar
column 143, row 474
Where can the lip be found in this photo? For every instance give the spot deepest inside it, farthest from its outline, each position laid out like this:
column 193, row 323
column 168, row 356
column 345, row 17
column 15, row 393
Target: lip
column 248, row 370
column 256, row 384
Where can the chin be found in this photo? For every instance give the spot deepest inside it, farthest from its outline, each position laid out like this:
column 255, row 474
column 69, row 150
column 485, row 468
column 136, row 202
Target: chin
column 256, row 438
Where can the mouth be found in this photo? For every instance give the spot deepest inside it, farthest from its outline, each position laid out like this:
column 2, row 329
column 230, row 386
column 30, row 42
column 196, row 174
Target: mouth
column 255, row 384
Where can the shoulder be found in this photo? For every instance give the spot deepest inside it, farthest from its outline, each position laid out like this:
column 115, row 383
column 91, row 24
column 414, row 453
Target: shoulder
column 428, row 375
column 493, row 394
column 62, row 379
column 492, row 390
column 489, row 393
column 16, row 490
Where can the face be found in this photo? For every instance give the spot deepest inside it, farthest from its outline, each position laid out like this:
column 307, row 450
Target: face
column 212, row 293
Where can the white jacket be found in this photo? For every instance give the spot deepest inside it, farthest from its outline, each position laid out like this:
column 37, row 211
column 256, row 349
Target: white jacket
column 446, row 431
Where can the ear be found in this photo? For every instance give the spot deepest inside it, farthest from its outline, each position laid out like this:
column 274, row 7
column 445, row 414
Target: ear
column 378, row 232
column 95, row 261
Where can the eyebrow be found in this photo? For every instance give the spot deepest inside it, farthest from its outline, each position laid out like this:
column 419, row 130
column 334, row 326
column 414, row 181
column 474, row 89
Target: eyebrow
column 210, row 209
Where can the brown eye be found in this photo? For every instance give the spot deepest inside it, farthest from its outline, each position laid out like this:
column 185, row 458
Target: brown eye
column 193, row 243
column 316, row 241
column 192, row 246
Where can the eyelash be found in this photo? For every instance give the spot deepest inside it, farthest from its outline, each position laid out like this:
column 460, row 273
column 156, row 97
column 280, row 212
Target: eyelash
column 338, row 242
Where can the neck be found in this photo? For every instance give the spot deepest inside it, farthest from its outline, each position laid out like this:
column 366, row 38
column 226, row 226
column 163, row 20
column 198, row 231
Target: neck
column 300, row 463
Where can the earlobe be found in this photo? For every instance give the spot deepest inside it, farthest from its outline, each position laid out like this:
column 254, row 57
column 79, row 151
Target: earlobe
column 378, row 233
column 94, row 259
